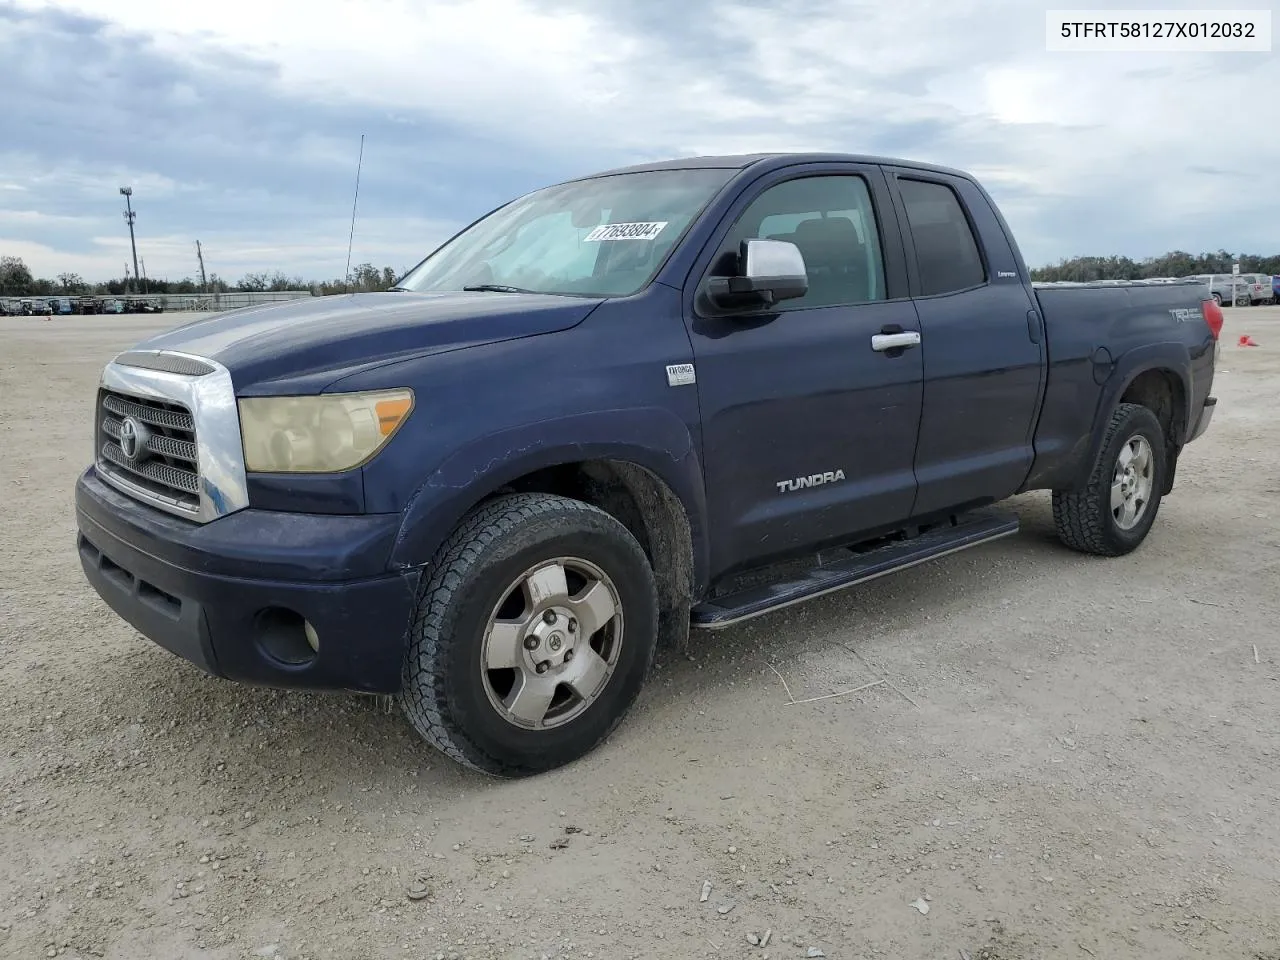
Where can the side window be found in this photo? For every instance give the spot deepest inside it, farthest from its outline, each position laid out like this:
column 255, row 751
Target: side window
column 832, row 221
column 946, row 250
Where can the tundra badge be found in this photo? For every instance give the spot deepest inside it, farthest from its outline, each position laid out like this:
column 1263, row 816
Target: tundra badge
column 813, row 480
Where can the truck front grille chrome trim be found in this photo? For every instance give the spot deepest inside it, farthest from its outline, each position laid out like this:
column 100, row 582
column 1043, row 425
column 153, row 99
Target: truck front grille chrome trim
column 157, row 443
column 156, row 415
column 182, row 429
column 156, row 471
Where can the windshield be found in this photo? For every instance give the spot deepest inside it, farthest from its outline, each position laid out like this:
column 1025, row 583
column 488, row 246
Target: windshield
column 604, row 237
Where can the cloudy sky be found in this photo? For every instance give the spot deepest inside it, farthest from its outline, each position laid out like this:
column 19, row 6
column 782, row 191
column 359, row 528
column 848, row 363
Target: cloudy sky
column 238, row 122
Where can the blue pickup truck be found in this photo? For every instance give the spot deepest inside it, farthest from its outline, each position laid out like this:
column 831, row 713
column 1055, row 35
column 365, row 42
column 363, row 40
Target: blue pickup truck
column 676, row 395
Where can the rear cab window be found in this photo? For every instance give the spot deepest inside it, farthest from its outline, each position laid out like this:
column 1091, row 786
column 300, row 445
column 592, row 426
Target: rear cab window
column 948, row 258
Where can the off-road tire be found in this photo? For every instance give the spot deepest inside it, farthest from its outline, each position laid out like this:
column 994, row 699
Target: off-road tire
column 1083, row 517
column 442, row 690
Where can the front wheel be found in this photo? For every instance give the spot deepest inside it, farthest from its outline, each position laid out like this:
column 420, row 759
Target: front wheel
column 532, row 636
column 1112, row 514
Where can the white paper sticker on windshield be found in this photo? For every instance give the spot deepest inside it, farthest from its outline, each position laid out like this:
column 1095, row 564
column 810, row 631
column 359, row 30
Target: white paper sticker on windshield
column 625, row 231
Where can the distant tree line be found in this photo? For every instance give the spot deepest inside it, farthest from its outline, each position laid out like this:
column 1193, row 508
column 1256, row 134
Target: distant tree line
column 16, row 280
column 1175, row 264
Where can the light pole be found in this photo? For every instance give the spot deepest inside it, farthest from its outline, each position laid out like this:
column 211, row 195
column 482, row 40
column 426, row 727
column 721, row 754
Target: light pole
column 127, row 192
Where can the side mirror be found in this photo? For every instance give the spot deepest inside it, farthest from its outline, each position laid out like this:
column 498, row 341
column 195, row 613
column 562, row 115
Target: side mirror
column 772, row 270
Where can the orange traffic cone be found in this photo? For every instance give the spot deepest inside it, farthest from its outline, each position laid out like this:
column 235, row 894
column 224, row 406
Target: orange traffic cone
column 1247, row 341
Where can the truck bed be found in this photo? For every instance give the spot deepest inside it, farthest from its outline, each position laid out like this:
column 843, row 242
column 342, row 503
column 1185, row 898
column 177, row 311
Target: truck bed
column 1096, row 330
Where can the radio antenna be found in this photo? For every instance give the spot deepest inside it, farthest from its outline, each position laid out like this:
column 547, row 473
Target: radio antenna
column 351, row 238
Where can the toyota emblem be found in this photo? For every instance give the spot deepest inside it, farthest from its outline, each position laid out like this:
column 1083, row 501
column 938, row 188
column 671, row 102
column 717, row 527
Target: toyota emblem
column 131, row 438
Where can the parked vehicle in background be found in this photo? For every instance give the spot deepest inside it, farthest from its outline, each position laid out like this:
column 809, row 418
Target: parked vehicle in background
column 1260, row 288
column 1217, row 289
column 1223, row 287
column 1275, row 289
column 112, row 306
column 62, row 306
column 143, row 305
column 88, row 305
column 41, row 308
column 678, row 395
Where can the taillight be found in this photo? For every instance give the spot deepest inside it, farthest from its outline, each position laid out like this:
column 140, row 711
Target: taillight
column 1212, row 316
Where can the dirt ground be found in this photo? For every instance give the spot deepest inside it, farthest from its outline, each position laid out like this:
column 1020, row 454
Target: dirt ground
column 1071, row 757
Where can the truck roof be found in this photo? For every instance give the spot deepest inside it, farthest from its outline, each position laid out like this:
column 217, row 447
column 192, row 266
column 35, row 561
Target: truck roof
column 772, row 161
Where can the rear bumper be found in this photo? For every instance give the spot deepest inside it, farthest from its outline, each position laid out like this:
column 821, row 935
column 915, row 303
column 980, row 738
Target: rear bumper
column 1206, row 415
column 232, row 601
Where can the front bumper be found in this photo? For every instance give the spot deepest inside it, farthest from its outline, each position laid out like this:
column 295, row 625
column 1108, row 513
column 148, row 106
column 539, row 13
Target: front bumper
column 221, row 595
column 1206, row 415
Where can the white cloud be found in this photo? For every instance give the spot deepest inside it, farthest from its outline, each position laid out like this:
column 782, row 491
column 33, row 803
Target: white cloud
column 963, row 83
column 316, row 254
column 47, row 261
column 489, row 61
column 73, row 181
column 21, row 219
column 315, row 249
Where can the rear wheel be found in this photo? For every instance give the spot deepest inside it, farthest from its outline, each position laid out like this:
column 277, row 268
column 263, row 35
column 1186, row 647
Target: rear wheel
column 1112, row 514
column 532, row 637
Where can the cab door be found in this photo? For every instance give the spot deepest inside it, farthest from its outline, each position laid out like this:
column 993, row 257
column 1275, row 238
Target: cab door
column 811, row 408
column 982, row 345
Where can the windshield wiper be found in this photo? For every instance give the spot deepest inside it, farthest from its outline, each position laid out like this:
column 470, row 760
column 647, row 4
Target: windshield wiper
column 398, row 290
column 494, row 288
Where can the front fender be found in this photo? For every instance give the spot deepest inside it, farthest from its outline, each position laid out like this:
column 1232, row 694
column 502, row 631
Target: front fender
column 1172, row 357
column 652, row 437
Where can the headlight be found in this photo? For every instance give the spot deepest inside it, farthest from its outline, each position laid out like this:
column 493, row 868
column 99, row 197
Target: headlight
column 323, row 434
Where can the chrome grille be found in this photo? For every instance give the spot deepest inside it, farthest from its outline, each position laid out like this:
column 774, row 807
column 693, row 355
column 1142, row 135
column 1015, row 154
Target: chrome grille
column 154, row 412
column 156, row 443
column 165, row 460
column 177, row 414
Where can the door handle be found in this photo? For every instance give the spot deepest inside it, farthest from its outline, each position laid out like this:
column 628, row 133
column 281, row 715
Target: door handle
column 895, row 341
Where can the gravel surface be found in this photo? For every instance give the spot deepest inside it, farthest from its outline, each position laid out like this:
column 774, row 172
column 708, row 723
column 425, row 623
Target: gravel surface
column 1073, row 757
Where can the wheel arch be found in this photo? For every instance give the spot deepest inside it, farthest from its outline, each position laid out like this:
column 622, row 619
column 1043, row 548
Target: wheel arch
column 645, row 504
column 1162, row 392
column 1157, row 377
column 654, row 489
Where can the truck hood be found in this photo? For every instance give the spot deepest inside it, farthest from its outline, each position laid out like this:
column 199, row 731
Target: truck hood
column 313, row 341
